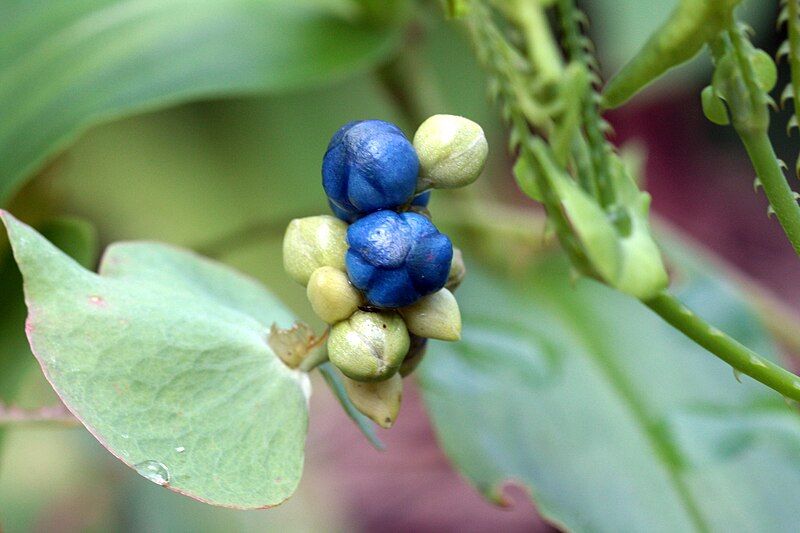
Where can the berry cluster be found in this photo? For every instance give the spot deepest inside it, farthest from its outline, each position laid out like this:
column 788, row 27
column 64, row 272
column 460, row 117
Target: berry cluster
column 380, row 272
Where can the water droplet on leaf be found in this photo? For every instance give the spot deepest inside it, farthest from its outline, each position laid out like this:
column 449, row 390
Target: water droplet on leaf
column 180, row 449
column 156, row 472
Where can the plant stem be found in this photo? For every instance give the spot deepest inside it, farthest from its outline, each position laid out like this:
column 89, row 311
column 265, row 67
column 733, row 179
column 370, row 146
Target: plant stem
column 741, row 358
column 543, row 52
column 244, row 236
column 771, row 176
column 410, row 83
column 48, row 415
column 596, row 143
column 793, row 24
column 315, row 357
column 778, row 317
column 748, row 105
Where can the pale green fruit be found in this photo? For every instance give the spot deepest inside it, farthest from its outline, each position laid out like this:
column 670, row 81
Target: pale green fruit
column 333, row 298
column 313, row 242
column 452, row 152
column 435, row 316
column 378, row 400
column 369, row 346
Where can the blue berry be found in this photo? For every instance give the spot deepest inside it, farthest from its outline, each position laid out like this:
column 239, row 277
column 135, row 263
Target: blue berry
column 396, row 259
column 369, row 165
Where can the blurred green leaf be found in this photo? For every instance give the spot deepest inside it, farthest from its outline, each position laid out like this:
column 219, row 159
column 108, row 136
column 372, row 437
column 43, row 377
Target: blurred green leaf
column 164, row 359
column 614, row 421
column 67, row 65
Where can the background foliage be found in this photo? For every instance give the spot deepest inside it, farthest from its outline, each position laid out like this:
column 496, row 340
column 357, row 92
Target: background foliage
column 186, row 129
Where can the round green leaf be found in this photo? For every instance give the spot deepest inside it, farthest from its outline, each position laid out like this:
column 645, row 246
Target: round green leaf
column 72, row 64
column 713, row 107
column 765, row 69
column 164, row 358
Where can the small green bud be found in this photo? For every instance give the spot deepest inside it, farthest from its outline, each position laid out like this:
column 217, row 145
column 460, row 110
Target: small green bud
column 333, row 298
column 435, row 316
column 452, row 152
column 457, row 271
column 379, row 400
column 313, row 242
column 369, row 346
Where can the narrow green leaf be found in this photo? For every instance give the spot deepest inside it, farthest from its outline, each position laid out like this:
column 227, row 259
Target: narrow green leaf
column 680, row 38
column 363, row 423
column 68, row 65
column 614, row 421
column 164, row 358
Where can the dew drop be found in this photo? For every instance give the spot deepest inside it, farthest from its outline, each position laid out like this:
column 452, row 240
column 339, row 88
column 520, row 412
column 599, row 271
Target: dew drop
column 180, row 449
column 156, row 472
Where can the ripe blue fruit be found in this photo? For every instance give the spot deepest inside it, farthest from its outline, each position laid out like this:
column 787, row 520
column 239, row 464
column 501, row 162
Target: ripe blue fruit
column 369, row 165
column 397, row 258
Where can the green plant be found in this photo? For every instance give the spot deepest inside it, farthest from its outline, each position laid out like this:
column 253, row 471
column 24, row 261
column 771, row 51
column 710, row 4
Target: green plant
column 198, row 377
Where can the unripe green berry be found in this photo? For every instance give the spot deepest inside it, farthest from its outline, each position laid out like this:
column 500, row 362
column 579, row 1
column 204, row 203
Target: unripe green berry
column 452, row 152
column 313, row 242
column 378, row 400
column 435, row 316
column 333, row 298
column 369, row 346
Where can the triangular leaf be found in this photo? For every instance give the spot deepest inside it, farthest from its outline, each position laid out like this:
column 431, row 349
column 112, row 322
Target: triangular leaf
column 164, row 358
column 613, row 420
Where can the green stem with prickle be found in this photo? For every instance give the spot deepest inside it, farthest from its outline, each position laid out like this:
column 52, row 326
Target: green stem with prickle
column 772, row 179
column 793, row 24
column 750, row 117
column 595, row 138
column 752, row 126
column 741, row 358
